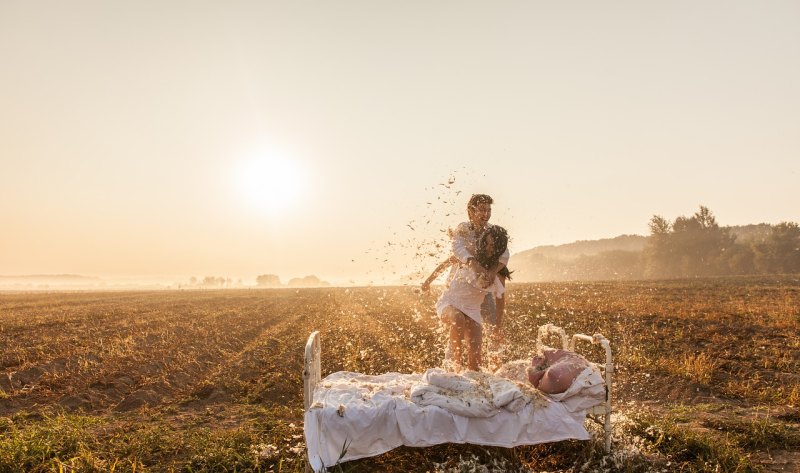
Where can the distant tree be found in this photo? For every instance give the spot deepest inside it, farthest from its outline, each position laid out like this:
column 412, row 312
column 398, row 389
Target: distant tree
column 738, row 260
column 209, row 281
column 747, row 234
column 268, row 280
column 659, row 226
column 780, row 251
column 308, row 281
column 705, row 218
column 193, row 281
column 703, row 244
column 658, row 255
column 689, row 247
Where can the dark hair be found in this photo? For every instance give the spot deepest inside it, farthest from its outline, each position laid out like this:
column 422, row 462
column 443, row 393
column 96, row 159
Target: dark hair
column 488, row 260
column 477, row 199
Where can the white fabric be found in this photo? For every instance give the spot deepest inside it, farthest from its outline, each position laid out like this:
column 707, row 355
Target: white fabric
column 464, row 241
column 472, row 394
column 516, row 370
column 465, row 294
column 468, row 400
column 586, row 391
column 355, row 415
column 508, row 395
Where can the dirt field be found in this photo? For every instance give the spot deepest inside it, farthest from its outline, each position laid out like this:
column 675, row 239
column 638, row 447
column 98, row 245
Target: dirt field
column 708, row 375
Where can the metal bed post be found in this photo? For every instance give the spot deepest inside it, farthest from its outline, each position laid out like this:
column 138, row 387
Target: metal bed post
column 608, row 372
column 550, row 329
column 311, row 370
column 311, row 376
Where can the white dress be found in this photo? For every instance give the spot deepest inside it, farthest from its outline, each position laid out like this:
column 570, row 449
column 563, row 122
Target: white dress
column 464, row 294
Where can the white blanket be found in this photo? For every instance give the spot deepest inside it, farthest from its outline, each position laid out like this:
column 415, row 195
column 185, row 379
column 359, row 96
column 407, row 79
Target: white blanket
column 355, row 415
column 472, row 394
column 587, row 390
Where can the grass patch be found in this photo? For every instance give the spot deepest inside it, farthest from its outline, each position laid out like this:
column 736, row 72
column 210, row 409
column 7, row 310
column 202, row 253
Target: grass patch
column 56, row 443
column 79, row 443
column 760, row 432
column 698, row 367
column 695, row 450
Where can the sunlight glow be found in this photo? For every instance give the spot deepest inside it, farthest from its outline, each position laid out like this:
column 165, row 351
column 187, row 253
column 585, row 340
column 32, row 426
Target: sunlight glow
column 271, row 183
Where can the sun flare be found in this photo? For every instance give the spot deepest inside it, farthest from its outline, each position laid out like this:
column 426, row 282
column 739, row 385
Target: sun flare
column 271, row 184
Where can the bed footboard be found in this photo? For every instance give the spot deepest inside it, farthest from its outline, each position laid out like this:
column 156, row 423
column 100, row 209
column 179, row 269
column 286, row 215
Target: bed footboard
column 312, row 375
column 311, row 369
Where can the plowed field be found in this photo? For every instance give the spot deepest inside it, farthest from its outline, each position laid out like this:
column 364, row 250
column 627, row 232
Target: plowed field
column 708, row 375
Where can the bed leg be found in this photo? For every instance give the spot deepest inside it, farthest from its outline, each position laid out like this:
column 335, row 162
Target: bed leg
column 312, row 373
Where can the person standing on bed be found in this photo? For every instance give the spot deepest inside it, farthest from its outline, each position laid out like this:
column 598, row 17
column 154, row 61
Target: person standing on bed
column 479, row 211
column 459, row 306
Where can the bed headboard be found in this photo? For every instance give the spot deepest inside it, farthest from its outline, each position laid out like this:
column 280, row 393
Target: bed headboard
column 311, row 369
column 607, row 369
column 569, row 344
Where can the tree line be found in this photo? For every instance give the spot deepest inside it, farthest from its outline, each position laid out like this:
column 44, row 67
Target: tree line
column 686, row 247
column 272, row 280
column 697, row 246
column 262, row 280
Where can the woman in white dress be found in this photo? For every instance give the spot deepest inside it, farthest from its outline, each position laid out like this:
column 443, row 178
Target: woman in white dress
column 459, row 306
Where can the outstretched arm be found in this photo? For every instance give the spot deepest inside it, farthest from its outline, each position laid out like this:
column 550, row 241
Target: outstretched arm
column 436, row 272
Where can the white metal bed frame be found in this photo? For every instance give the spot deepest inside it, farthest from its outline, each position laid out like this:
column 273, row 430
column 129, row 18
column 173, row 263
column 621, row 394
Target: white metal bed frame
column 600, row 413
column 602, row 410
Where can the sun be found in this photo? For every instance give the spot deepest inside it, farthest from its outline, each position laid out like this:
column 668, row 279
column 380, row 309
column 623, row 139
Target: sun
column 270, row 183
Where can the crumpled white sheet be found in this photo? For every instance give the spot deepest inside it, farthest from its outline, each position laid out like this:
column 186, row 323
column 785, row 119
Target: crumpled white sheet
column 472, row 394
column 355, row 416
column 354, row 413
column 586, row 391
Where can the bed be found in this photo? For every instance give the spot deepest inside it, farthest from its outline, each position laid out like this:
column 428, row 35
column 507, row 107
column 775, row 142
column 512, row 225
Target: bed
column 353, row 415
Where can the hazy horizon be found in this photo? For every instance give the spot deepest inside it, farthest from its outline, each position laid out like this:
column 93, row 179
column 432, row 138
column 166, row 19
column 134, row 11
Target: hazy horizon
column 557, row 253
column 200, row 139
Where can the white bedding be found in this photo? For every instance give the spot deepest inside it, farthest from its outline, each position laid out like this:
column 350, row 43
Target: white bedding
column 355, row 415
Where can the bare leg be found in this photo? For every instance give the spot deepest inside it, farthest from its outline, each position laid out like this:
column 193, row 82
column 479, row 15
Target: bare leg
column 474, row 337
column 500, row 307
column 453, row 318
column 456, row 338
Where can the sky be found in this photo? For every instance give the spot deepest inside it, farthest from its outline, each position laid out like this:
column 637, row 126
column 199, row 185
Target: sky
column 170, row 139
